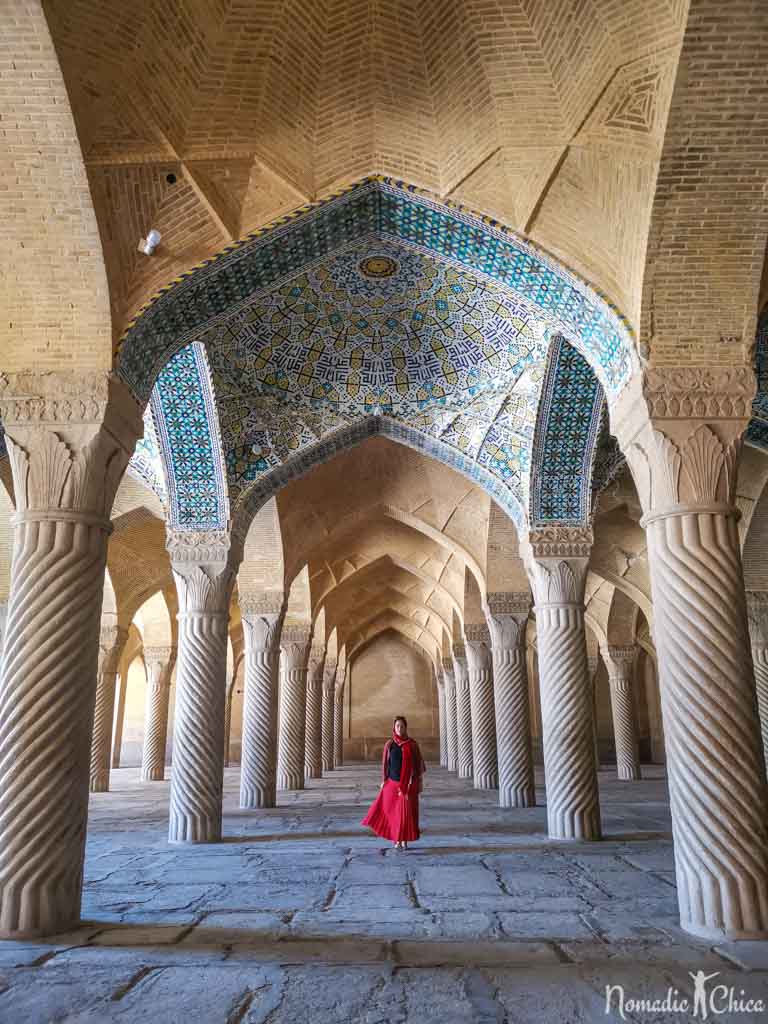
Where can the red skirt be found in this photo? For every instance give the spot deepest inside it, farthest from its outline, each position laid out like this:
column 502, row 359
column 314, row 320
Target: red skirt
column 392, row 816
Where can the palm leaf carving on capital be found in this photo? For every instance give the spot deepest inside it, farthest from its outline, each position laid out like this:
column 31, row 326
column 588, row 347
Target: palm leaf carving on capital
column 703, row 459
column 507, row 632
column 562, row 584
column 263, row 631
column 666, row 481
column 44, row 469
column 199, row 589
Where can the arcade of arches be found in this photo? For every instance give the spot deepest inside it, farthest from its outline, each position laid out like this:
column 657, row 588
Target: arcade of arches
column 444, row 393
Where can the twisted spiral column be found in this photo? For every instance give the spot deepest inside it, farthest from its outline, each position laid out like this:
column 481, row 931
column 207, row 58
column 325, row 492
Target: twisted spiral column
column 686, row 470
column 338, row 729
column 442, row 723
column 757, row 612
column 111, row 643
column 713, row 743
column 159, row 663
column 313, row 762
column 620, row 661
column 480, row 670
column 507, row 622
column 47, row 703
column 293, row 708
column 593, row 663
column 451, row 733
column 760, row 661
column 69, row 438
column 262, row 623
column 204, row 580
column 229, row 697
column 573, row 808
column 463, row 713
column 326, row 714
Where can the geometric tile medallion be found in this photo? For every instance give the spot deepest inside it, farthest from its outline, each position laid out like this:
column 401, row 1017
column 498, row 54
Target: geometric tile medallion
column 424, row 344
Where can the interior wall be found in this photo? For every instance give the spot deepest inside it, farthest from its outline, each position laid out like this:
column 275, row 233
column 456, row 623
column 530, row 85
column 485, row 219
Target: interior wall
column 236, row 722
column 133, row 719
column 388, row 678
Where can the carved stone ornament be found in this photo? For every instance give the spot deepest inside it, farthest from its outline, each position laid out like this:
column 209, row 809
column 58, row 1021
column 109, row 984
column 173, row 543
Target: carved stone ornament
column 559, row 582
column 681, row 430
column 260, row 604
column 561, row 542
column 296, row 634
column 509, row 603
column 699, row 392
column 69, row 439
column 162, row 655
column 198, row 547
column 619, row 659
column 477, row 633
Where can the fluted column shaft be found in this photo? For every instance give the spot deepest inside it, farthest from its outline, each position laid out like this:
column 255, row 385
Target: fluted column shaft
column 567, row 720
column 451, row 731
column 293, row 708
column 718, row 810
column 228, row 719
column 620, row 664
column 262, row 623
column 463, row 713
column 757, row 609
column 111, row 644
column 338, row 729
column 326, row 739
column 69, row 438
column 204, row 575
column 507, row 619
column 682, row 437
column 442, row 723
column 485, row 769
column 313, row 761
column 760, row 660
column 159, row 663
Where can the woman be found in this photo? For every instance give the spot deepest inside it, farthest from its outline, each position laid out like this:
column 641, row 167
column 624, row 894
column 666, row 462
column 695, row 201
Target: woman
column 394, row 814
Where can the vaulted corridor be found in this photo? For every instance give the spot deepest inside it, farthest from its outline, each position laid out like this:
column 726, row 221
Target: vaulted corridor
column 299, row 914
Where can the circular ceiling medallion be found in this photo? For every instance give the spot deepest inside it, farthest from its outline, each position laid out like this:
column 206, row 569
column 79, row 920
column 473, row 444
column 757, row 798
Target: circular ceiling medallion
column 378, row 266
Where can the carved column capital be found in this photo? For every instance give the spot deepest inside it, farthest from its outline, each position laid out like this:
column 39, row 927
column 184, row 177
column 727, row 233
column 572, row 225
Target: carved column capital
column 507, row 618
column 681, row 431
column 295, row 644
column 204, row 564
column 329, row 674
column 477, row 646
column 262, row 630
column 559, row 582
column 112, row 640
column 69, row 439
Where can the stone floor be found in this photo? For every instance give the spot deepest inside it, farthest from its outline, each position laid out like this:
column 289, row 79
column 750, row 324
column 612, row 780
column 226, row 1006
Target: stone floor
column 300, row 915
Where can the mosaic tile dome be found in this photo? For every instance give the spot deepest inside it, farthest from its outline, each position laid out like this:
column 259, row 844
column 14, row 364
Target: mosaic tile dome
column 378, row 309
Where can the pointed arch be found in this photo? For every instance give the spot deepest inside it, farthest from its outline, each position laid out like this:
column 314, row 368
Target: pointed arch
column 185, row 416
column 567, row 427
